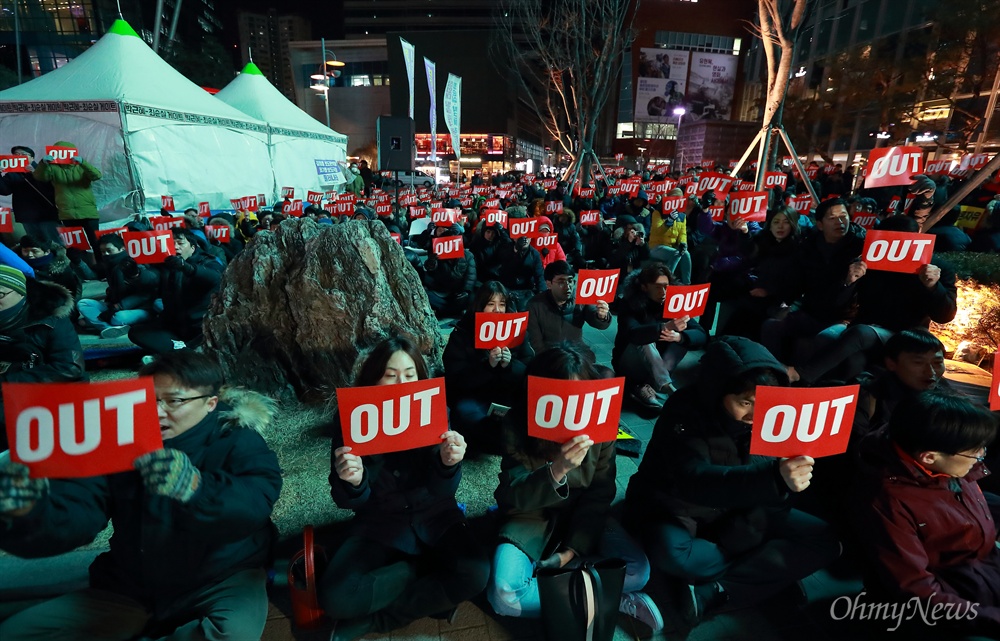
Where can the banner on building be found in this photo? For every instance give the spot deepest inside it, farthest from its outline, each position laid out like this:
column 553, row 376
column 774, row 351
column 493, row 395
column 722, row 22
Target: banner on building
column 661, row 84
column 711, row 86
column 432, row 90
column 453, row 111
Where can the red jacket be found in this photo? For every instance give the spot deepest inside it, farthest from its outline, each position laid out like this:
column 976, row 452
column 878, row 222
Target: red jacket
column 931, row 536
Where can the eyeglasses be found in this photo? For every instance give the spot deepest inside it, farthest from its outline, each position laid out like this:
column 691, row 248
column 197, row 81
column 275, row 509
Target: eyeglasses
column 978, row 459
column 174, row 403
column 4, row 295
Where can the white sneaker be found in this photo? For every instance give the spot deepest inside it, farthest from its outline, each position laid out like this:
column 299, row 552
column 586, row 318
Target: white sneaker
column 116, row 331
column 639, row 606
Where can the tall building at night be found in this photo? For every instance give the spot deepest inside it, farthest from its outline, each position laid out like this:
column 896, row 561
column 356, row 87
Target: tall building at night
column 266, row 37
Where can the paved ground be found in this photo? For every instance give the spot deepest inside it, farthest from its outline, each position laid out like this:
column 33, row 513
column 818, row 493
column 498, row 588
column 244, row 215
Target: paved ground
column 21, row 580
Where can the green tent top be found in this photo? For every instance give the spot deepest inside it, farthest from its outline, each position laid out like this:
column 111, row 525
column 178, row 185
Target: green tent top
column 251, row 68
column 122, row 28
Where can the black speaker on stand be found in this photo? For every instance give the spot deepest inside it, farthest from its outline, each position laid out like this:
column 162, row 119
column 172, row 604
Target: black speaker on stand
column 396, row 150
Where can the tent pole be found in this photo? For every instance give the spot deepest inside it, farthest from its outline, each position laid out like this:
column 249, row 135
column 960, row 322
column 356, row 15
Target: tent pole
column 157, row 23
column 173, row 24
column 17, row 40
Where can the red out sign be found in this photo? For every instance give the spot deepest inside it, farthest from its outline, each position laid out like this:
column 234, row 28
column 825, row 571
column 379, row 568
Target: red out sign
column 496, row 217
column 113, row 230
column 500, row 330
column 523, row 227
column 674, row 203
column 444, row 217
column 15, row 164
column 149, row 246
column 314, row 197
column 560, row 410
column 448, row 247
column 383, row 210
column 204, row 209
column 74, row 238
column 717, row 212
column 717, row 183
column 995, row 386
column 417, row 212
column 774, row 179
column 586, row 192
column 893, row 166
column 685, row 300
column 790, row 421
column 596, row 285
column 544, row 241
column 164, row 223
column 750, row 206
column 218, row 232
column 554, row 207
column 897, row 251
column 801, row 204
column 167, row 202
column 287, row 192
column 6, row 220
column 62, row 155
column 293, row 208
column 74, row 430
column 590, row 217
column 867, row 221
column 392, row 418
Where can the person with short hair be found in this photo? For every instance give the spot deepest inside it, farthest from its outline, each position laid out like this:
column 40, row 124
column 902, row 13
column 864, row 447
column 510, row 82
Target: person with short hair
column 192, row 528
column 188, row 281
column 409, row 552
column 552, row 315
column 924, row 523
column 49, row 262
column 130, row 295
column 449, row 282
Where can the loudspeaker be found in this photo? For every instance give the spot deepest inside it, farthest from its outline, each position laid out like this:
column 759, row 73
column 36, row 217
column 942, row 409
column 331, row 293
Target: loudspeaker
column 396, row 151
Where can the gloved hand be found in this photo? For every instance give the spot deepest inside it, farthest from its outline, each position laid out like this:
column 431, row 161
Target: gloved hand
column 177, row 264
column 169, row 473
column 18, row 491
column 431, row 263
column 47, row 158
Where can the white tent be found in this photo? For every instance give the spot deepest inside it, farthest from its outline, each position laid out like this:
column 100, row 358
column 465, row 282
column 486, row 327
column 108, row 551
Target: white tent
column 150, row 131
column 304, row 153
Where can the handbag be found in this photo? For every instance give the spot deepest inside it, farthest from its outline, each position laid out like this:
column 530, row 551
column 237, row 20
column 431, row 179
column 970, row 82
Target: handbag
column 306, row 611
column 581, row 603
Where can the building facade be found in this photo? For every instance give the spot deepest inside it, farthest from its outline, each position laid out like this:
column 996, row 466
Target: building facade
column 265, row 37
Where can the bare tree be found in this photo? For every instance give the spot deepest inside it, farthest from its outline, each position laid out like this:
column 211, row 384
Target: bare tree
column 566, row 56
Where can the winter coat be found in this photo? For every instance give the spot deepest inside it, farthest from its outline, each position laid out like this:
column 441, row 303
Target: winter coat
column 550, row 255
column 186, row 298
column 59, row 270
column 661, row 234
column 356, row 185
column 539, row 516
column 45, row 348
column 406, row 499
column 900, row 301
column 522, row 271
column 163, row 550
column 773, row 267
column 734, row 248
column 549, row 324
column 10, row 258
column 569, row 237
column 130, row 286
column 625, row 256
column 31, row 201
column 489, row 255
column 597, row 246
column 640, row 321
column 467, row 371
column 450, row 276
column 74, row 197
column 931, row 536
column 821, row 270
column 697, row 470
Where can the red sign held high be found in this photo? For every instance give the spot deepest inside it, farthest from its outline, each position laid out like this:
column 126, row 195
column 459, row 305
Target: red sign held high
column 218, row 232
column 74, row 238
column 167, row 203
column 393, row 418
column 560, row 410
column 448, row 247
column 149, row 246
column 523, row 227
column 15, row 164
column 750, row 206
column 165, row 223
column 893, row 166
column 500, row 330
column 800, row 421
column 590, row 217
column 62, row 155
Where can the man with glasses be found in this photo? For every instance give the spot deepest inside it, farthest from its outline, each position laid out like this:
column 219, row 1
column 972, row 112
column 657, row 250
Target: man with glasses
column 192, row 523
column 187, row 283
column 552, row 315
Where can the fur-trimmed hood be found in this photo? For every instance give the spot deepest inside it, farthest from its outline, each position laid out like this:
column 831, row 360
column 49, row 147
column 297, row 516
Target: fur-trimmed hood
column 46, row 299
column 243, row 408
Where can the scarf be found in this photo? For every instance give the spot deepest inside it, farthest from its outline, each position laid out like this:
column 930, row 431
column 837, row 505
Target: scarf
column 41, row 261
column 14, row 317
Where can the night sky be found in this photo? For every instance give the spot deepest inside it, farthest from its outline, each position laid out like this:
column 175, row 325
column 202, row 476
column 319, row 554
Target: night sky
column 326, row 16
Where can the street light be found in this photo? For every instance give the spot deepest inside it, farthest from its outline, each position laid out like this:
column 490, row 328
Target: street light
column 679, row 112
column 322, row 80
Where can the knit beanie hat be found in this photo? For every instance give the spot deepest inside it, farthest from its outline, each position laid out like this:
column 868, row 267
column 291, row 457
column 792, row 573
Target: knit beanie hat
column 14, row 279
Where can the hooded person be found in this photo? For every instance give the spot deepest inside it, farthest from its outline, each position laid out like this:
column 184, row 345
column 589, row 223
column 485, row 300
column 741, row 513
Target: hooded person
column 74, row 197
column 355, row 182
column 521, row 272
column 32, row 201
column 488, row 247
column 193, row 533
column 711, row 515
column 38, row 343
column 235, row 244
column 549, row 254
column 639, row 208
column 569, row 238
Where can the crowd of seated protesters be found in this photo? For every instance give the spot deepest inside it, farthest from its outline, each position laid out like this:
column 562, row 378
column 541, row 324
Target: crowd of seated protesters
column 792, row 303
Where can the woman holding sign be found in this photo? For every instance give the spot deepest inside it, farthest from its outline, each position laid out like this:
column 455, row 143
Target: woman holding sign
column 409, row 553
column 483, row 380
column 555, row 498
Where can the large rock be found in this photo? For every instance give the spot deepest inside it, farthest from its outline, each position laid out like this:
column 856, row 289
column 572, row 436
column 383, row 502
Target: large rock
column 300, row 303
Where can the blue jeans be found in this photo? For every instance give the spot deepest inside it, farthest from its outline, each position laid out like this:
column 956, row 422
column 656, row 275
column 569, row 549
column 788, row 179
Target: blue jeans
column 677, row 261
column 650, row 364
column 513, row 588
column 90, row 311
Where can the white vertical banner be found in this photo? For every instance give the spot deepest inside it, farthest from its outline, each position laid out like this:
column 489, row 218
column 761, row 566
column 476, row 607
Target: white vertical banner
column 453, row 112
column 408, row 58
column 432, row 89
